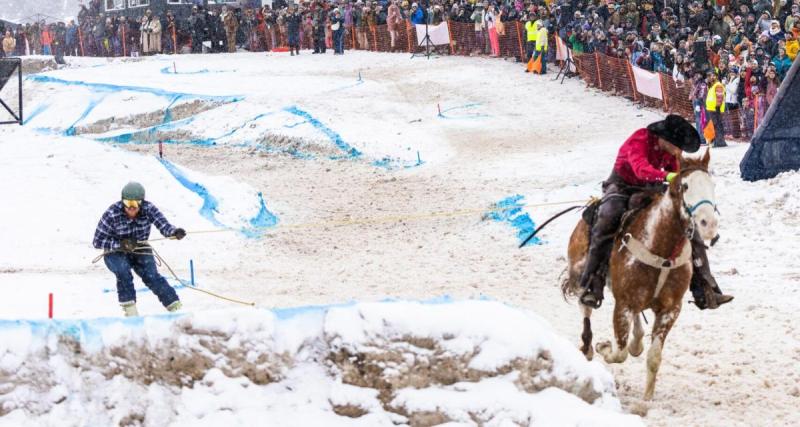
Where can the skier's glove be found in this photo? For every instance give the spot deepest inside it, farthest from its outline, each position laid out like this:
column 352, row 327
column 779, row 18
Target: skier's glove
column 128, row 245
column 179, row 233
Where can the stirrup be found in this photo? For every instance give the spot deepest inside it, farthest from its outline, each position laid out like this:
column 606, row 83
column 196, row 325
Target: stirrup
column 592, row 302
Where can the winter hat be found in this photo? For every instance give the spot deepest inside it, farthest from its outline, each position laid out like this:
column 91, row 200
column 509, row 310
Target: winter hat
column 133, row 191
column 678, row 132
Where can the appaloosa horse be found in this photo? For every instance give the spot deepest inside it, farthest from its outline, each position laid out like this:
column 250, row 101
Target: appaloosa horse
column 650, row 265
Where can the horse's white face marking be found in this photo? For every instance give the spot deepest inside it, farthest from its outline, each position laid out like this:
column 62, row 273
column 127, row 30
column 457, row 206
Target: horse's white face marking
column 698, row 186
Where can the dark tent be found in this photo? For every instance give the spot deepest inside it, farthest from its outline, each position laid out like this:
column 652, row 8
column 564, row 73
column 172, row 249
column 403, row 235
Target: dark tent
column 775, row 147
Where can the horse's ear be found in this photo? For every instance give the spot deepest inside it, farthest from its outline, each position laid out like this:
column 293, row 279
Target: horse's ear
column 706, row 158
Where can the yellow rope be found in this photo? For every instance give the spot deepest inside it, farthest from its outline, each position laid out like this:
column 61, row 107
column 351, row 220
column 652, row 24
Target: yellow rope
column 380, row 220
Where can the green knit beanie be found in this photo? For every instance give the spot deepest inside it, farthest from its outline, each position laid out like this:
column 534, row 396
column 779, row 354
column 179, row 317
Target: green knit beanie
column 133, row 191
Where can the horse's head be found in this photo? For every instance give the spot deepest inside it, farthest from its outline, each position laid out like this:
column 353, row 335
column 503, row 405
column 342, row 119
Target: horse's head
column 697, row 192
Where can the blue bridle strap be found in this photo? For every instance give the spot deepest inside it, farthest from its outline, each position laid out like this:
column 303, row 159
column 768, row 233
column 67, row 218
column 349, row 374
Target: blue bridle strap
column 691, row 210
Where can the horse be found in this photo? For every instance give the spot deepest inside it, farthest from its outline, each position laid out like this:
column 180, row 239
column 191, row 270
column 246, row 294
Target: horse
column 650, row 266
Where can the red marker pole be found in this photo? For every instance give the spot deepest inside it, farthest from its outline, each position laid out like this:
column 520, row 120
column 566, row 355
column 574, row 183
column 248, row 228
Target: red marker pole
column 50, row 306
column 440, row 109
column 160, row 150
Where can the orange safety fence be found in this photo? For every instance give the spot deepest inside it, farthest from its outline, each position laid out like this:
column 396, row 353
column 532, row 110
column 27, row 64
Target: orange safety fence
column 615, row 75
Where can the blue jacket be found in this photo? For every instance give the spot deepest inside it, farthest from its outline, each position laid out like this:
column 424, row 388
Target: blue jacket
column 72, row 34
column 418, row 17
column 115, row 225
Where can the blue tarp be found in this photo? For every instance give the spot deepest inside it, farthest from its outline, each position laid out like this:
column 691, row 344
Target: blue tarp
column 775, row 147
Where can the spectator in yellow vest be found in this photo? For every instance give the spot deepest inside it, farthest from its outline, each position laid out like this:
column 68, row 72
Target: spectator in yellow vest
column 531, row 31
column 541, row 48
column 715, row 107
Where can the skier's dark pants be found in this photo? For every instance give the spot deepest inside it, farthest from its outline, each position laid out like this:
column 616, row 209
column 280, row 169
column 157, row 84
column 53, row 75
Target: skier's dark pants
column 144, row 265
column 320, row 42
column 338, row 41
column 294, row 45
column 616, row 196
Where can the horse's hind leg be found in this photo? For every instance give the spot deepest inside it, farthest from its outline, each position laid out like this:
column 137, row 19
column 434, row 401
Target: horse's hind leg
column 635, row 347
column 661, row 327
column 586, row 336
column 622, row 327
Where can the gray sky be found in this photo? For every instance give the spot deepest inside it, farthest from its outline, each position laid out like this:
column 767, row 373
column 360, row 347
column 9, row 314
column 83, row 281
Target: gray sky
column 23, row 10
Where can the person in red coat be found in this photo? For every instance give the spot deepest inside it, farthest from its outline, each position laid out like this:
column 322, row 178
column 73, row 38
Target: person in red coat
column 646, row 160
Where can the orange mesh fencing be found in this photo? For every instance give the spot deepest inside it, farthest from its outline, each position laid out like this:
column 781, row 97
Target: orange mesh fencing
column 614, row 75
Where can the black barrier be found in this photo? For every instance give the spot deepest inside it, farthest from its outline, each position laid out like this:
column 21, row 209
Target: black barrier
column 7, row 68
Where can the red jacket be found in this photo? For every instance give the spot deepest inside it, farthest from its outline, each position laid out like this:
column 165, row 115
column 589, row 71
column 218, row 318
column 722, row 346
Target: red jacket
column 641, row 161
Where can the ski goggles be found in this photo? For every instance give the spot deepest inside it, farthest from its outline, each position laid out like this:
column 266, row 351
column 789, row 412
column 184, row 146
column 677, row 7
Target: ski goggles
column 131, row 203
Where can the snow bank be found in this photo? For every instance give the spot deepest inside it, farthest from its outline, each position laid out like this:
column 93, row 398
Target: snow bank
column 378, row 363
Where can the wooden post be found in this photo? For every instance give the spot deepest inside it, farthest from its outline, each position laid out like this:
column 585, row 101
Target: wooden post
column 597, row 65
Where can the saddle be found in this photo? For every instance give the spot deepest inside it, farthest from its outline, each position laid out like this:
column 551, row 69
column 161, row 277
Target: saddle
column 639, row 198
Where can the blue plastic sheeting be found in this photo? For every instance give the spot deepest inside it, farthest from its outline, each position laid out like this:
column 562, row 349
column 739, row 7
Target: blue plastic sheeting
column 36, row 111
column 330, row 133
column 106, row 87
column 263, row 219
column 92, row 104
column 462, row 116
column 89, row 332
column 509, row 210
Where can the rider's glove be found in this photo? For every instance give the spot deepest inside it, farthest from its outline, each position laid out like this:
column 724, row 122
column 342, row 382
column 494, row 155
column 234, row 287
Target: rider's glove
column 671, row 176
column 179, row 233
column 128, row 245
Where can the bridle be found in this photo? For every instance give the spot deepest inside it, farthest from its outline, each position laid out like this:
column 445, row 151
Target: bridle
column 690, row 210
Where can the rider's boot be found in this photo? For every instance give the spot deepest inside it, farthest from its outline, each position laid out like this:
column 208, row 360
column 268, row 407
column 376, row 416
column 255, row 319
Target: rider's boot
column 600, row 244
column 705, row 290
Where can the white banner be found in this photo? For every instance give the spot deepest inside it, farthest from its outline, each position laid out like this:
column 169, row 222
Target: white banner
column 562, row 52
column 647, row 83
column 439, row 34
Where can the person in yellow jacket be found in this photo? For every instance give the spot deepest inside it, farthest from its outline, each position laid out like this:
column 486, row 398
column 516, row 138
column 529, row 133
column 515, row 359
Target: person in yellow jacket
column 792, row 46
column 715, row 107
column 531, row 31
column 541, row 48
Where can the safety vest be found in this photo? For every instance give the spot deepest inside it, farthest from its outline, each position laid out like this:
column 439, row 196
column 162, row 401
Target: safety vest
column 541, row 39
column 711, row 98
column 532, row 28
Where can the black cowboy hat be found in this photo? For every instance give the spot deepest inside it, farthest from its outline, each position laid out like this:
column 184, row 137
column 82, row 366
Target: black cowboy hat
column 678, row 132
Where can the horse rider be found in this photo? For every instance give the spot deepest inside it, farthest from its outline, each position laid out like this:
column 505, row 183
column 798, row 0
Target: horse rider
column 647, row 159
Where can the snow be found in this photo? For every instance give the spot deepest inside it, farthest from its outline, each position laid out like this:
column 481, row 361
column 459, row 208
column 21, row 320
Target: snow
column 79, row 365
column 358, row 227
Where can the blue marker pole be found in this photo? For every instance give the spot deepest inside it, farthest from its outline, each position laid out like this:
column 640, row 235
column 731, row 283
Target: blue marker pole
column 359, row 75
column 191, row 271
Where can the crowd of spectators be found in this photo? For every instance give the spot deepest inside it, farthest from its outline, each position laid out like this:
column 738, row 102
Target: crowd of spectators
column 746, row 45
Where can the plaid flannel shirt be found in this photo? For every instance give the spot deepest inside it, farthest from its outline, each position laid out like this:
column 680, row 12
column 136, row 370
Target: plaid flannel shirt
column 115, row 225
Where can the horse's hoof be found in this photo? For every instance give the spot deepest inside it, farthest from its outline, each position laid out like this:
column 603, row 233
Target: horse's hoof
column 636, row 351
column 587, row 351
column 603, row 347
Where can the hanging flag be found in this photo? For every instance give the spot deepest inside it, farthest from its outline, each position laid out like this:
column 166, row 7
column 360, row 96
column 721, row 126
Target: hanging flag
column 709, row 133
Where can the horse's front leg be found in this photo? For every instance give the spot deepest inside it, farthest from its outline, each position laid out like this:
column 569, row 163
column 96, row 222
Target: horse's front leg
column 622, row 327
column 586, row 336
column 636, row 347
column 661, row 327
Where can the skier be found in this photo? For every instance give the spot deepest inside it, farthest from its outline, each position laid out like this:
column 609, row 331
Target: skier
column 122, row 233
